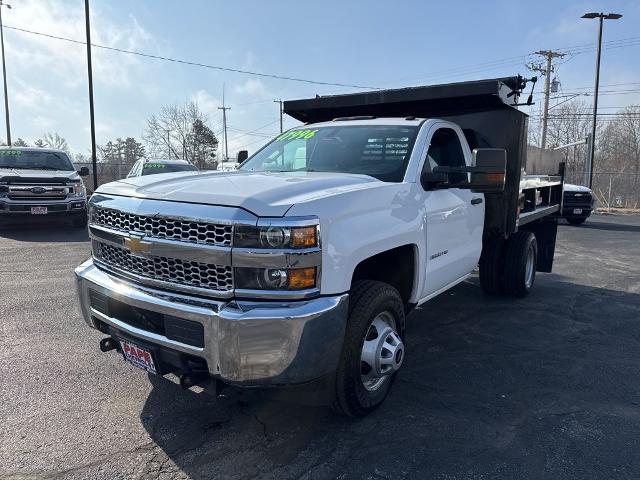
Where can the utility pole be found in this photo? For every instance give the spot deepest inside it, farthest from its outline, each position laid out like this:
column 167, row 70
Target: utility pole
column 279, row 101
column 224, row 126
column 94, row 160
column 4, row 75
column 601, row 17
column 545, row 70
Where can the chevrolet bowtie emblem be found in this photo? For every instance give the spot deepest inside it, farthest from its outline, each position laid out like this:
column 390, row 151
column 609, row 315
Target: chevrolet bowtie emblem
column 137, row 245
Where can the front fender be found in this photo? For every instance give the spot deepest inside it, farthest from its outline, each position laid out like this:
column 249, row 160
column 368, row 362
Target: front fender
column 360, row 224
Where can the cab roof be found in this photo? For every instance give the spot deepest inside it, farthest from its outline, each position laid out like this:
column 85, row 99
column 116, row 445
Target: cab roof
column 173, row 161
column 34, row 149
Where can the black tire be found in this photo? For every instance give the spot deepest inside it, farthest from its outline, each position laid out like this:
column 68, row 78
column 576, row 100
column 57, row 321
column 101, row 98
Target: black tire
column 492, row 266
column 80, row 222
column 367, row 300
column 576, row 220
column 515, row 263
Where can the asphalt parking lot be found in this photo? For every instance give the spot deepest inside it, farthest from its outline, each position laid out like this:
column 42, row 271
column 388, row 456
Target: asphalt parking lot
column 545, row 387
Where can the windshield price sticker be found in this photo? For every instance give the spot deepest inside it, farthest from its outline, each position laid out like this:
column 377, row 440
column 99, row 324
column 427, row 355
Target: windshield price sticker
column 295, row 134
column 154, row 165
column 10, row 152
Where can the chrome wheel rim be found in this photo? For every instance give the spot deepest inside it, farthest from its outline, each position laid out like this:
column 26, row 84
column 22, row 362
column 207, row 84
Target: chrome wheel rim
column 382, row 352
column 530, row 268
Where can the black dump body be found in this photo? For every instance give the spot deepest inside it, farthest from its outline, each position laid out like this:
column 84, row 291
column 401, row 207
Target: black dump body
column 484, row 109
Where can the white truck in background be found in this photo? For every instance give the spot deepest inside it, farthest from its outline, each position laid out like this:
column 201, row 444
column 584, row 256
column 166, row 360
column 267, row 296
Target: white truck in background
column 298, row 269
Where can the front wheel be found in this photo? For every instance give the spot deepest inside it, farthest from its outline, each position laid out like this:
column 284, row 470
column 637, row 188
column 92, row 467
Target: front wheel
column 373, row 349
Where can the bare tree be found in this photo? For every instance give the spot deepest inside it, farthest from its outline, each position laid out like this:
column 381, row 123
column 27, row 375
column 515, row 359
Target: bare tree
column 53, row 140
column 181, row 131
column 570, row 123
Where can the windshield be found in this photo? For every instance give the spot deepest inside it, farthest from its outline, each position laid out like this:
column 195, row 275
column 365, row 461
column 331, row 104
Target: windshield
column 151, row 168
column 24, row 159
column 381, row 151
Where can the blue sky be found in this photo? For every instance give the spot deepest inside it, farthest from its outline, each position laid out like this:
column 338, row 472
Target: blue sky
column 369, row 43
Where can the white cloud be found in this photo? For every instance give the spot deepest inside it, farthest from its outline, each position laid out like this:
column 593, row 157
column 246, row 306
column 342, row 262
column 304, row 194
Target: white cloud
column 64, row 60
column 27, row 96
column 43, row 123
column 206, row 102
column 101, row 128
column 253, row 89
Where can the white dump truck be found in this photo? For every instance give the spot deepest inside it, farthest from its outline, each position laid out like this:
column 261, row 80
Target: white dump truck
column 299, row 268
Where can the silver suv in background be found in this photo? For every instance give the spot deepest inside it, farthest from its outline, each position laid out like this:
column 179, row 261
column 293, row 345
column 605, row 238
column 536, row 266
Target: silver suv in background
column 151, row 167
column 41, row 182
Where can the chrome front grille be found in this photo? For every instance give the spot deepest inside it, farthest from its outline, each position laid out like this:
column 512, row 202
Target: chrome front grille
column 164, row 227
column 172, row 270
column 38, row 192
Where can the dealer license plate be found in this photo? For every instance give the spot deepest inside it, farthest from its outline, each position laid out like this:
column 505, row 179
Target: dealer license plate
column 38, row 210
column 137, row 356
column 577, row 211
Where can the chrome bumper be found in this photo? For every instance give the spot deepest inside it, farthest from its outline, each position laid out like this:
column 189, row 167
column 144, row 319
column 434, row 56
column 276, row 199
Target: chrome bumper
column 252, row 343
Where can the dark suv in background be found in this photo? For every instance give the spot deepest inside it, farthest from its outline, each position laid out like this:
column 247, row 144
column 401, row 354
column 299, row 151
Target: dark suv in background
column 41, row 182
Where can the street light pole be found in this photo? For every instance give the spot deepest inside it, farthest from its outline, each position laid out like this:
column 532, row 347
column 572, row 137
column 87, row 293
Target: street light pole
column 94, row 160
column 601, row 17
column 4, row 75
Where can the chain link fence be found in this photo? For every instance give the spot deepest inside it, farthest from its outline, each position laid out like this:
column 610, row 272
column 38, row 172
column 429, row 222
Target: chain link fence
column 611, row 189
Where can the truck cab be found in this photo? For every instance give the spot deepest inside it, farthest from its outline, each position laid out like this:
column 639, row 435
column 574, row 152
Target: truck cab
column 43, row 182
column 299, row 268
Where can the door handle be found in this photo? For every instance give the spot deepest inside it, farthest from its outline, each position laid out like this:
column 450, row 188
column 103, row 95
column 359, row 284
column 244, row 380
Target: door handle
column 476, row 201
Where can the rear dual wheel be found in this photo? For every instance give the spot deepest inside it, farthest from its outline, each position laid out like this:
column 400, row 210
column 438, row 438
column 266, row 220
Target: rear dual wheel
column 509, row 266
column 520, row 261
column 373, row 350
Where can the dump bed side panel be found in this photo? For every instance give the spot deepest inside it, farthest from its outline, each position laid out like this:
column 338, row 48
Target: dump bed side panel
column 503, row 128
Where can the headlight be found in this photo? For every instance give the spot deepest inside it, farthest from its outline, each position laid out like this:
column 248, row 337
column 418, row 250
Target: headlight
column 78, row 190
column 276, row 237
column 275, row 278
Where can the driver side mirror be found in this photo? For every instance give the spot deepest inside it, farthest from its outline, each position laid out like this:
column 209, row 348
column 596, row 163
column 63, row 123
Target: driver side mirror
column 431, row 180
column 488, row 172
column 84, row 171
column 242, row 156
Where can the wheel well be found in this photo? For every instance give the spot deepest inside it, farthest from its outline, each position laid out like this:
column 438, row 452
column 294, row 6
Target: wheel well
column 395, row 267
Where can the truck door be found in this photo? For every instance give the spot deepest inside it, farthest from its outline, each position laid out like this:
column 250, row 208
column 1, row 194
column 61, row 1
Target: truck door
column 454, row 216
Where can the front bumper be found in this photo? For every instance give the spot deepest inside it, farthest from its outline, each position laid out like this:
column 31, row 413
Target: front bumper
column 246, row 343
column 10, row 208
column 569, row 211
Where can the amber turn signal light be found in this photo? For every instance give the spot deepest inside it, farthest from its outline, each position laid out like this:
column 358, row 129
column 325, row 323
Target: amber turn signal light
column 301, row 278
column 304, row 237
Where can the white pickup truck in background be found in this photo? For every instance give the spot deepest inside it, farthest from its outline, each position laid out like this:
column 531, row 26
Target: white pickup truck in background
column 299, row 268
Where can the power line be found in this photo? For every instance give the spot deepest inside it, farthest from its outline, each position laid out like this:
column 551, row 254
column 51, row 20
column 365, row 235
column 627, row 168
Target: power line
column 254, row 142
column 195, row 64
column 520, row 59
column 463, row 69
column 253, row 132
